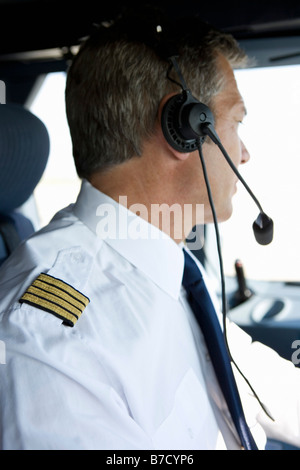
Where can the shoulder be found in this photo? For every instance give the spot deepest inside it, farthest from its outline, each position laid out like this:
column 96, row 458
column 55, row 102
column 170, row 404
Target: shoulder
column 63, row 251
column 55, row 295
column 58, row 290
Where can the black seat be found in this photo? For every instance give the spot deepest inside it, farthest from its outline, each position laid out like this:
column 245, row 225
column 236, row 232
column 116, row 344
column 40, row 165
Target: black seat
column 24, row 152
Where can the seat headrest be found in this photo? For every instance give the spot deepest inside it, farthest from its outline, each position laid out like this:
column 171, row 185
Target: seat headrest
column 24, row 152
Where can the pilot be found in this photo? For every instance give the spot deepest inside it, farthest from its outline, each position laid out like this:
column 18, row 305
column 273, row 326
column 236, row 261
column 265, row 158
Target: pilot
column 103, row 349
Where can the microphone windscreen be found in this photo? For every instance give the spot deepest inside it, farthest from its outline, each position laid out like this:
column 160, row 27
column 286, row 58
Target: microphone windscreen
column 263, row 228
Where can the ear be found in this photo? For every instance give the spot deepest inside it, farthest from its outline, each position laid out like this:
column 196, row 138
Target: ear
column 176, row 153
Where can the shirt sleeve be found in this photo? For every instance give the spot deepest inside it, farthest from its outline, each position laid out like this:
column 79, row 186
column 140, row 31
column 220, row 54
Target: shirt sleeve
column 51, row 373
column 275, row 380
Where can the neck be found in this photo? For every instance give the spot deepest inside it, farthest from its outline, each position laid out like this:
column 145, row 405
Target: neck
column 138, row 184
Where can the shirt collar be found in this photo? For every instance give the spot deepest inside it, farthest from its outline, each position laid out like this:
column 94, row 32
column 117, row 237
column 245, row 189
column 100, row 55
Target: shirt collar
column 142, row 244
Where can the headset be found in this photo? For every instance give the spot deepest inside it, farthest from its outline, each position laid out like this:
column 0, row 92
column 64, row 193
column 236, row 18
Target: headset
column 186, row 122
column 184, row 117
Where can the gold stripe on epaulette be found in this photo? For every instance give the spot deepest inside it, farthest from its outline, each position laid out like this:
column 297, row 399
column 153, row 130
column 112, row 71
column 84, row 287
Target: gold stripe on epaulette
column 57, row 297
column 64, row 287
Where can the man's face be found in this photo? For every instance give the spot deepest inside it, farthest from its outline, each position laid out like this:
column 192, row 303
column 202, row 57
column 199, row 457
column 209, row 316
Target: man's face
column 229, row 110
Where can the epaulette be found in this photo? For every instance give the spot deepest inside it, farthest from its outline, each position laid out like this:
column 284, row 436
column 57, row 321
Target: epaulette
column 57, row 297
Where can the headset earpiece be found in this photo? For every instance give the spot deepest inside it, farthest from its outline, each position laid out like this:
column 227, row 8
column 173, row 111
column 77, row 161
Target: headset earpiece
column 182, row 120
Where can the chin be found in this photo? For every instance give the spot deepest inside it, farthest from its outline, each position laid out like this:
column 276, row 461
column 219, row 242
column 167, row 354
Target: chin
column 225, row 214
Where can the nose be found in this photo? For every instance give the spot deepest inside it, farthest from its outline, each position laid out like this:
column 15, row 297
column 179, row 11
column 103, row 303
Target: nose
column 245, row 155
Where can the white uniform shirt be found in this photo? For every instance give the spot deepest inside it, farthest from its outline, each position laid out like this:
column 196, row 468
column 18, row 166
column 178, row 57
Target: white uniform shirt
column 133, row 373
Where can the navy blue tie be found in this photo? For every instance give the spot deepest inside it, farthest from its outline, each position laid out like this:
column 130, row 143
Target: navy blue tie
column 206, row 316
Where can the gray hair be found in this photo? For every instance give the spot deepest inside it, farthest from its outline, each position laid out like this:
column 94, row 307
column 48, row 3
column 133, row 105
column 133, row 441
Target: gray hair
column 115, row 85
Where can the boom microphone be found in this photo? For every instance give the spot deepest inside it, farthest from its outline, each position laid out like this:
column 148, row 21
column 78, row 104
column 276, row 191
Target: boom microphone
column 263, row 226
column 185, row 123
